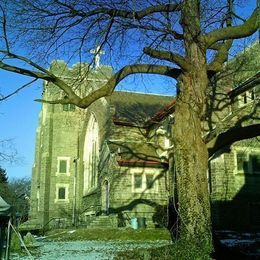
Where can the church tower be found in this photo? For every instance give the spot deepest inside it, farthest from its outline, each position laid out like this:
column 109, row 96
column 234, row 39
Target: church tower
column 53, row 197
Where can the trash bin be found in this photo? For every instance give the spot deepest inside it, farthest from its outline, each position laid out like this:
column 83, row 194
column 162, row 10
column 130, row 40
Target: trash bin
column 134, row 223
column 141, row 222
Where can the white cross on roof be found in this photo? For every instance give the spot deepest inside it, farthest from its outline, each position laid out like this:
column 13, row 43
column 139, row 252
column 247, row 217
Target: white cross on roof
column 97, row 53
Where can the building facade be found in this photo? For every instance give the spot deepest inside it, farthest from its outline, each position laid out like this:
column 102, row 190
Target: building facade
column 235, row 169
column 110, row 163
column 98, row 161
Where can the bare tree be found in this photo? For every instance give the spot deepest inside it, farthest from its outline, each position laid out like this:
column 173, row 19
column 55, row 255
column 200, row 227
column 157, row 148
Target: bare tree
column 185, row 40
column 8, row 152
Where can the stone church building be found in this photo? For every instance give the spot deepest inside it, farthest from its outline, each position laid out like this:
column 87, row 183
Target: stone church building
column 105, row 160
column 109, row 163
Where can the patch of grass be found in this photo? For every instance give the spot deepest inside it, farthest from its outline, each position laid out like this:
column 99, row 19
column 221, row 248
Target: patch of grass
column 108, row 234
column 175, row 251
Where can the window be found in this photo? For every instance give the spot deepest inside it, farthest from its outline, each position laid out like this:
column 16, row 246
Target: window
column 144, row 182
column 138, row 181
column 149, row 181
column 247, row 97
column 63, row 165
column 91, row 155
column 255, row 162
column 248, row 162
column 62, row 192
column 242, row 163
column 68, row 107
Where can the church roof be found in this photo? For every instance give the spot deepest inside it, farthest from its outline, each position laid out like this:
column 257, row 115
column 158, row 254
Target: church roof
column 137, row 108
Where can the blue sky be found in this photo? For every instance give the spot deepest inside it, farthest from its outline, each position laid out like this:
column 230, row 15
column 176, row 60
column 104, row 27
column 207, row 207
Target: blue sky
column 19, row 114
column 18, row 121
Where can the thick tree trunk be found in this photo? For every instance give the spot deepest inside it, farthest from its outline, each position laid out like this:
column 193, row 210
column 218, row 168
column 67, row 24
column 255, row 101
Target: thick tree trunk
column 191, row 161
column 191, row 157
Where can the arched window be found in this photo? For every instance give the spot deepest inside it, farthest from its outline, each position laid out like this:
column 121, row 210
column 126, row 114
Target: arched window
column 91, row 155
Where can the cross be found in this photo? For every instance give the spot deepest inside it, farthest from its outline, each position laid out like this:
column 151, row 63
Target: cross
column 97, row 53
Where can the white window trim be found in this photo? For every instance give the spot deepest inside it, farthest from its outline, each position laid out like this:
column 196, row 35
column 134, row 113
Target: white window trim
column 63, row 158
column 62, row 185
column 144, row 172
column 247, row 151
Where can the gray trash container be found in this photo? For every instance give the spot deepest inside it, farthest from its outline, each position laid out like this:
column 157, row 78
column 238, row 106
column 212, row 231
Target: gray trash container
column 134, row 223
column 141, row 222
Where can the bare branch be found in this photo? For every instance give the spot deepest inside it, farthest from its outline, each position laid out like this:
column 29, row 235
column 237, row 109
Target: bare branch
column 221, row 57
column 47, row 75
column 128, row 14
column 26, row 72
column 8, row 153
column 17, row 90
column 231, row 136
column 4, row 29
column 28, row 61
column 169, row 56
column 108, row 88
column 234, row 32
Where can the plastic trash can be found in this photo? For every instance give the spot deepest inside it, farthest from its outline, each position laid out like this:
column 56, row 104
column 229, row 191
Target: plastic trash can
column 134, row 223
column 141, row 222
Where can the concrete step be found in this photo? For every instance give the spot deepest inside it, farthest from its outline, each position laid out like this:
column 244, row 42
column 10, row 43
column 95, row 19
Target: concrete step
column 103, row 221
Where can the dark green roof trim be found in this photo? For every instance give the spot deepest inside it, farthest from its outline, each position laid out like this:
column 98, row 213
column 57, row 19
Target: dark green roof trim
column 246, row 85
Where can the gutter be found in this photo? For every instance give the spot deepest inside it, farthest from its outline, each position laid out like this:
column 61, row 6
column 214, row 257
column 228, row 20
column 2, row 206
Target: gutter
column 137, row 163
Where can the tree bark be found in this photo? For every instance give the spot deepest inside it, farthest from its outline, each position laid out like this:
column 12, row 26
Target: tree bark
column 191, row 156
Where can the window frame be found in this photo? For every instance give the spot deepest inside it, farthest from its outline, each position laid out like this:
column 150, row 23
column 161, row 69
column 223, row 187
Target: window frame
column 248, row 154
column 144, row 187
column 58, row 187
column 63, row 158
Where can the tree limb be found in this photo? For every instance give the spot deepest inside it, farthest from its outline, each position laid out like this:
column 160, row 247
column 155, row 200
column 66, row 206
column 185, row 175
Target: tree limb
column 128, row 14
column 45, row 76
column 169, row 56
column 234, row 32
column 220, row 57
column 26, row 72
column 17, row 90
column 231, row 136
column 28, row 61
column 4, row 29
column 108, row 88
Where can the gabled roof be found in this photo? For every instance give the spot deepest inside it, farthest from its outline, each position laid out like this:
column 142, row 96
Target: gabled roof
column 136, row 108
